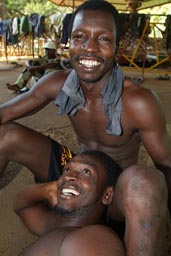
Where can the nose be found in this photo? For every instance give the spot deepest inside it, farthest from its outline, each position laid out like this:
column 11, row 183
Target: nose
column 90, row 45
column 72, row 176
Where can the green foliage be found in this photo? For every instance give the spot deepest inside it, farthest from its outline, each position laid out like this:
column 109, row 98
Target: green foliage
column 158, row 10
column 18, row 8
column 158, row 16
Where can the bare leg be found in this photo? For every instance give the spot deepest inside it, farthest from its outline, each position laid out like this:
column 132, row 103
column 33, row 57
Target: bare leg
column 21, row 81
column 13, row 87
column 141, row 198
column 26, row 147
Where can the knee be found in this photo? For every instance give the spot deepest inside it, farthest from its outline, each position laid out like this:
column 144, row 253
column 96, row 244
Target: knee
column 143, row 189
column 9, row 134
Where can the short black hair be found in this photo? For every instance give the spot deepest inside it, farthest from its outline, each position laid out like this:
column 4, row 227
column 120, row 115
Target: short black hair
column 113, row 170
column 98, row 5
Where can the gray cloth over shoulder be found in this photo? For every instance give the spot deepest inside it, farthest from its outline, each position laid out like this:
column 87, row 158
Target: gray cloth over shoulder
column 71, row 98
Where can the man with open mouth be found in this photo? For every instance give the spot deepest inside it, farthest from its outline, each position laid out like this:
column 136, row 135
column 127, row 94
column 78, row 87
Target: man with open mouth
column 68, row 214
column 108, row 112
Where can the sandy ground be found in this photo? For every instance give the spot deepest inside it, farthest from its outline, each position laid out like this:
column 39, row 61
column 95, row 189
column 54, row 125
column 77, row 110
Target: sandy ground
column 14, row 236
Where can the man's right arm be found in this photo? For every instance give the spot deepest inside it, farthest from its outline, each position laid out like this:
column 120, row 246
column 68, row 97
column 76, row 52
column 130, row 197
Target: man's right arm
column 45, row 91
column 30, row 206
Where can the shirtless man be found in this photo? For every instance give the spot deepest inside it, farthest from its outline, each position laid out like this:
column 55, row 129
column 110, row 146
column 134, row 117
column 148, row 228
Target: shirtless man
column 107, row 113
column 78, row 200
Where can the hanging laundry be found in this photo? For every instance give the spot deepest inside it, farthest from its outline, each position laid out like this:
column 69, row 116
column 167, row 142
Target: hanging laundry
column 38, row 24
column 57, row 22
column 15, row 26
column 6, row 30
column 25, row 26
column 66, row 28
column 15, row 30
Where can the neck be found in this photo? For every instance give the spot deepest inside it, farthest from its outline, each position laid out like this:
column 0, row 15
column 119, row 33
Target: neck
column 92, row 218
column 94, row 88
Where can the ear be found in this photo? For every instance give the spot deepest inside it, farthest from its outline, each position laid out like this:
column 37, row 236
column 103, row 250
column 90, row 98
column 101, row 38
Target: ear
column 108, row 196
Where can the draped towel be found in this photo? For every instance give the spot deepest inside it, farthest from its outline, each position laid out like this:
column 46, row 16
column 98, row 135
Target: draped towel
column 71, row 98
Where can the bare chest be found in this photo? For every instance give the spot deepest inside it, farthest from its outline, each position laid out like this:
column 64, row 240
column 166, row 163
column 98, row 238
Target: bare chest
column 90, row 124
column 90, row 129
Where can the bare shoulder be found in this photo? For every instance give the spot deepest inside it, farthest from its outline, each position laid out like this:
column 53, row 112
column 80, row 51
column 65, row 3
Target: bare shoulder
column 138, row 93
column 92, row 240
column 141, row 103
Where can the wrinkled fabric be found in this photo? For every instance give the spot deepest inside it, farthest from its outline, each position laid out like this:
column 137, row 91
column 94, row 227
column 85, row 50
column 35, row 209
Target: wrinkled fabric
column 57, row 21
column 71, row 99
column 66, row 28
column 25, row 26
column 15, row 26
column 6, row 29
column 38, row 24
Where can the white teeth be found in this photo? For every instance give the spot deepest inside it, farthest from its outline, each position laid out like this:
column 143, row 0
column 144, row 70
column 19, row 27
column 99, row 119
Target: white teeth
column 68, row 191
column 89, row 63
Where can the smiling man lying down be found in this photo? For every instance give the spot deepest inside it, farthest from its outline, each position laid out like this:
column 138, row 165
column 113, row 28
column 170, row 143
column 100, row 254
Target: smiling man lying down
column 68, row 213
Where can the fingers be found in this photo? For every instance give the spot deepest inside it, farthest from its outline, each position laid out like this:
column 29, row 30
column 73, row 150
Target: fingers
column 52, row 193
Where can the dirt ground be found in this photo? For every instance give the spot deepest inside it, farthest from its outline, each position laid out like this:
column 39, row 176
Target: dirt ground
column 14, row 236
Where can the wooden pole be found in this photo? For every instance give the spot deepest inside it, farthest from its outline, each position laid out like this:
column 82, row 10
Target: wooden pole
column 3, row 9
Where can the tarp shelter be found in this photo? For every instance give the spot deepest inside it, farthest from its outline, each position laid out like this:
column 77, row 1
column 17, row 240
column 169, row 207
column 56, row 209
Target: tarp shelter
column 121, row 5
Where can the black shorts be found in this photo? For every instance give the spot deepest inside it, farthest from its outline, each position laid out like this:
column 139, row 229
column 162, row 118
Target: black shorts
column 60, row 155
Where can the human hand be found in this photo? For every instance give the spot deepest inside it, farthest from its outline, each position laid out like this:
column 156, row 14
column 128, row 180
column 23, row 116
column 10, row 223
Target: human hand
column 50, row 193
